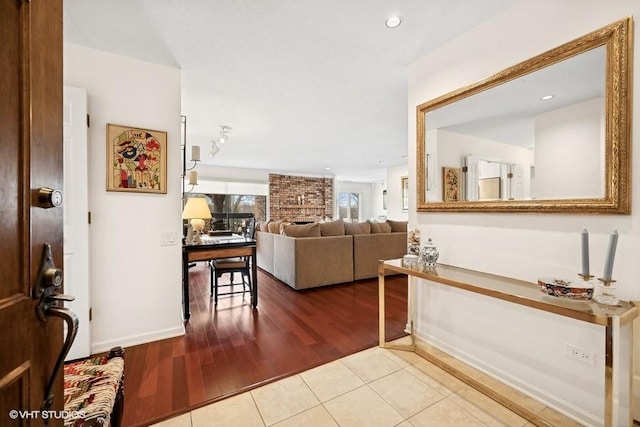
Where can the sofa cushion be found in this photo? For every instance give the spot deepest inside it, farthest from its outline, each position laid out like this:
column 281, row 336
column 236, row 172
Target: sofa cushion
column 274, row 226
column 397, row 225
column 380, row 227
column 357, row 228
column 332, row 228
column 305, row 230
column 264, row 226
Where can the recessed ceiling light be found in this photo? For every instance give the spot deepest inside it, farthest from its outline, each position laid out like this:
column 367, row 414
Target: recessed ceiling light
column 393, row 22
column 547, row 97
column 327, row 169
column 404, row 157
column 380, row 163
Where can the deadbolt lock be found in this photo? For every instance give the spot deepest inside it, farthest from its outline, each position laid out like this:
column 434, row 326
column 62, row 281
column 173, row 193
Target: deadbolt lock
column 49, row 198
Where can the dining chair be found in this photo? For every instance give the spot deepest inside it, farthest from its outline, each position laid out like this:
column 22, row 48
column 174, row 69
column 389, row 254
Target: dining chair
column 242, row 265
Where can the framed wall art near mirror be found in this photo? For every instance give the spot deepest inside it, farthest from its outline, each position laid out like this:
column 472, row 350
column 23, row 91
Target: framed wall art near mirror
column 551, row 134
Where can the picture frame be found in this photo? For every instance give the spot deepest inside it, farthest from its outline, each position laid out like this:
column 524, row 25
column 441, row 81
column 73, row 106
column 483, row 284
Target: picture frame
column 405, row 193
column 136, row 159
column 450, row 184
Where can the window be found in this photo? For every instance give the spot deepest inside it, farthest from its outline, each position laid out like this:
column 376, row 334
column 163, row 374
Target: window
column 231, row 211
column 349, row 206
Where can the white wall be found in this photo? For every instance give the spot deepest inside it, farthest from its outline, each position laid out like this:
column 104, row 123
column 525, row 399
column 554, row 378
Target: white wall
column 135, row 283
column 521, row 346
column 453, row 147
column 365, row 190
column 377, row 199
column 570, row 152
column 394, row 192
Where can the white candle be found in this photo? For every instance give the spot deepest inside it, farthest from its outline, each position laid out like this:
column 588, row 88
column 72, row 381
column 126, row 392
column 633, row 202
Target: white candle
column 193, row 177
column 195, row 153
column 585, row 253
column 611, row 253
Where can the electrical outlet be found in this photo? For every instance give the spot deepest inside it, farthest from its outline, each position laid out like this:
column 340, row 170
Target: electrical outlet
column 580, row 354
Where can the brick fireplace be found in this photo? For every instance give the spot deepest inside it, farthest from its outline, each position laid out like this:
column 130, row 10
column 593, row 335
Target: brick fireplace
column 300, row 198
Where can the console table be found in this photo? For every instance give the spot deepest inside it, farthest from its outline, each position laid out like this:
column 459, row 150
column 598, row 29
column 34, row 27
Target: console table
column 526, row 294
column 216, row 247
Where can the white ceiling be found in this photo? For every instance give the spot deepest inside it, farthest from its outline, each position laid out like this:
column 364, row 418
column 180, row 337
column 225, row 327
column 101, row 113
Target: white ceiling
column 305, row 84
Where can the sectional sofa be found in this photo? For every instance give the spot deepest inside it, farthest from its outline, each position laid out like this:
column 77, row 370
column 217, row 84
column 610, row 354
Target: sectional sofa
column 319, row 254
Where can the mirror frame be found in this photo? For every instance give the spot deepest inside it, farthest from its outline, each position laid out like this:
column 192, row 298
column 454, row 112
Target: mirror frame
column 617, row 37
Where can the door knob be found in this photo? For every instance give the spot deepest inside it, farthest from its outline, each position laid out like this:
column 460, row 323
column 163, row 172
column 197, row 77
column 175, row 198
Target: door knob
column 49, row 198
column 49, row 281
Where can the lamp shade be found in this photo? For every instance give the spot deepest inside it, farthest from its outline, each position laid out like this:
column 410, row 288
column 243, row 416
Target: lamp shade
column 196, row 207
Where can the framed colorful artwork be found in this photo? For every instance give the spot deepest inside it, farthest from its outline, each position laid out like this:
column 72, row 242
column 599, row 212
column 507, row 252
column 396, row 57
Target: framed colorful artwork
column 450, row 184
column 136, row 159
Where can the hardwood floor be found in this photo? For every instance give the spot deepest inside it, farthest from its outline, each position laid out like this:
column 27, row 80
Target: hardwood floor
column 232, row 348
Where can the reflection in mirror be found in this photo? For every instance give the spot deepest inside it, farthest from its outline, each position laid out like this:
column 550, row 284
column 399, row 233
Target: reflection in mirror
column 550, row 134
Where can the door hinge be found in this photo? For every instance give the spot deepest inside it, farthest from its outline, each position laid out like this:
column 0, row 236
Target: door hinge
column 510, row 175
column 89, row 217
column 88, row 121
column 90, row 314
column 465, row 169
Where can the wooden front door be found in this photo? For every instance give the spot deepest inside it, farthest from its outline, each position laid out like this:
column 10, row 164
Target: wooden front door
column 30, row 158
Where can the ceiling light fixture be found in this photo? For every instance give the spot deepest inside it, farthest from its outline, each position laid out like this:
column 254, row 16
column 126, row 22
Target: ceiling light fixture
column 224, row 130
column 214, row 148
column 547, row 97
column 393, row 22
column 224, row 137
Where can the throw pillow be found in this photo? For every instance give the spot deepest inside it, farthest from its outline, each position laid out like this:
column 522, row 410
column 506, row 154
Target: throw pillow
column 274, row 226
column 380, row 227
column 397, row 225
column 305, row 230
column 385, row 227
column 333, row 228
column 357, row 228
column 264, row 226
column 375, row 227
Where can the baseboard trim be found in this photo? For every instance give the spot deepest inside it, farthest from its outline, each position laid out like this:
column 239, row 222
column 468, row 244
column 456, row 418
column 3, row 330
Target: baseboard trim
column 102, row 346
column 565, row 408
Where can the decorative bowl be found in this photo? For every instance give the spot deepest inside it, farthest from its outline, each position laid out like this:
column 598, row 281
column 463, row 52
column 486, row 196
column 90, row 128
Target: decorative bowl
column 565, row 288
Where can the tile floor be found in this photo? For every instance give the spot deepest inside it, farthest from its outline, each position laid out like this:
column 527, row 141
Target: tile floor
column 376, row 387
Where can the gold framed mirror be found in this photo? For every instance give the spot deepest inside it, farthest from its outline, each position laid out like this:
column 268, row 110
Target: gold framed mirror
column 551, row 134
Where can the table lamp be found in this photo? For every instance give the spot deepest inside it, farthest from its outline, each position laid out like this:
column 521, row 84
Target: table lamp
column 196, row 209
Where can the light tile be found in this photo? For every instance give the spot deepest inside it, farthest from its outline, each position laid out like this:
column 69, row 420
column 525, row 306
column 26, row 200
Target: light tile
column 363, row 407
column 316, row 417
column 183, row 420
column 238, row 411
column 373, row 363
column 486, row 409
column 405, row 392
column 331, row 380
column 436, row 385
column 283, row 399
column 445, row 413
